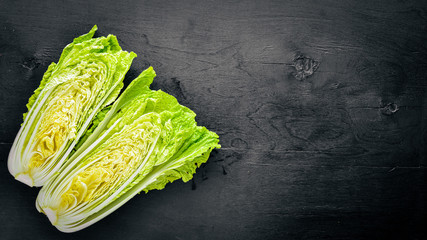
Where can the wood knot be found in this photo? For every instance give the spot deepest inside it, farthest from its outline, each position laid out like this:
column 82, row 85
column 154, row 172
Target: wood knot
column 304, row 66
column 389, row 109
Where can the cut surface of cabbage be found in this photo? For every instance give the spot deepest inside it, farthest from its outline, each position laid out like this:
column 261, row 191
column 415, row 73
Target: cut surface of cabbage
column 88, row 76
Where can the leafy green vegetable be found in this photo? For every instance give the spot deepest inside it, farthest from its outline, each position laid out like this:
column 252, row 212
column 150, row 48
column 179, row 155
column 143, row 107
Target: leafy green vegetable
column 88, row 76
column 144, row 141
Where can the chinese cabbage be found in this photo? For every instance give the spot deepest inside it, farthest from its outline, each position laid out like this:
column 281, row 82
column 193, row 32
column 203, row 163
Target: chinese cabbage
column 88, row 76
column 145, row 140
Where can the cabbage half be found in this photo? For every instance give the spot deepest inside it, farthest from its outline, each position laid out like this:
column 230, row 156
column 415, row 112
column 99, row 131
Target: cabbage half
column 88, row 76
column 145, row 140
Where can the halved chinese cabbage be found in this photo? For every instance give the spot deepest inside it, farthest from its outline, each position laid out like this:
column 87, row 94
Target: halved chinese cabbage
column 146, row 140
column 88, row 76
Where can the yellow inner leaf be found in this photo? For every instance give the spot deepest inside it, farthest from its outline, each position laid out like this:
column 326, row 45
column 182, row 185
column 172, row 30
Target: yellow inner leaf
column 61, row 117
column 113, row 165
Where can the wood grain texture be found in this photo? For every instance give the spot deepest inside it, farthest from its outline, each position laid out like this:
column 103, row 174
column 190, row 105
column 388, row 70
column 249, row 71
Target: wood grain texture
column 321, row 108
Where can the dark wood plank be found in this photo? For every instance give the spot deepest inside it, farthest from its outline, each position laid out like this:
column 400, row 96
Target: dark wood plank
column 320, row 107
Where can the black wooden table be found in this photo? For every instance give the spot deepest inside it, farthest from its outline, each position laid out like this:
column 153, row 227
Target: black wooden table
column 321, row 109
